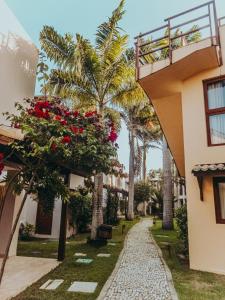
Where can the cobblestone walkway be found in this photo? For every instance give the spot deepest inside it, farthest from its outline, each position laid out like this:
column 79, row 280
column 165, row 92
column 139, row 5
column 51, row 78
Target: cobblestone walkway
column 140, row 273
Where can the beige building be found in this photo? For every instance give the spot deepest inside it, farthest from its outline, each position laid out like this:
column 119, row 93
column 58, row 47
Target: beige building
column 185, row 80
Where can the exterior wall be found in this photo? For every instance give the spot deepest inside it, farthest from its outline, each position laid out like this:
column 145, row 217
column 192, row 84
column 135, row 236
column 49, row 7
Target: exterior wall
column 206, row 238
column 29, row 213
column 18, row 60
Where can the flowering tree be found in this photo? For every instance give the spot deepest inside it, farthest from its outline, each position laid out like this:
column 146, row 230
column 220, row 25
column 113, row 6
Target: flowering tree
column 56, row 141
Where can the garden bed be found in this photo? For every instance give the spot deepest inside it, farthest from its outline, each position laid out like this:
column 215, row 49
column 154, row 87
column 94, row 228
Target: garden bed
column 98, row 271
column 189, row 284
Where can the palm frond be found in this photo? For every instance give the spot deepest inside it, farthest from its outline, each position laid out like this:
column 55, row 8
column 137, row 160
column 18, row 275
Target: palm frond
column 58, row 48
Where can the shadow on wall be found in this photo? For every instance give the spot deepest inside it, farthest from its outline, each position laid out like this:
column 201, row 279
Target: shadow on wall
column 18, row 61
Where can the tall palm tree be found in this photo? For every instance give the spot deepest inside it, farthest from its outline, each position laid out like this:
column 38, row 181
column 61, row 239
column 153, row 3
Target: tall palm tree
column 132, row 116
column 96, row 75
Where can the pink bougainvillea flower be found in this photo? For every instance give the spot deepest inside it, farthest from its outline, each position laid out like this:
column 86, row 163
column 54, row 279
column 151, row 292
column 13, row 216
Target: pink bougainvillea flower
column 66, row 139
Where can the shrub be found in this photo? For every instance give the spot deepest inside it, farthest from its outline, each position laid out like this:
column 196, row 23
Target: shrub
column 142, row 192
column 110, row 215
column 181, row 219
column 81, row 210
column 26, row 232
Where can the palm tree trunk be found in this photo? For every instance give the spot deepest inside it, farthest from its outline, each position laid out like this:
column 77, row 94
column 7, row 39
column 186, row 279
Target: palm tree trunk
column 167, row 188
column 130, row 211
column 97, row 213
column 97, row 210
column 144, row 172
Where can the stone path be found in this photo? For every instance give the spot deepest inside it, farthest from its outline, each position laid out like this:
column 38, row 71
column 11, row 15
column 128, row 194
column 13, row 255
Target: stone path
column 140, row 272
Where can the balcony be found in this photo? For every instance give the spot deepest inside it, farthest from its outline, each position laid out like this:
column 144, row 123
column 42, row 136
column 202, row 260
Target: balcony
column 176, row 51
column 187, row 44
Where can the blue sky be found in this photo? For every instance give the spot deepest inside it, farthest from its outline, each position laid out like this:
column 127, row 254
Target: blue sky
column 84, row 16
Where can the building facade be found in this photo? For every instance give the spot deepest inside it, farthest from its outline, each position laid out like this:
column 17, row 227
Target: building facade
column 186, row 84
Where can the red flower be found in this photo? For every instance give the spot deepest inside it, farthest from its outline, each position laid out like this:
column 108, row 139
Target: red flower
column 53, row 146
column 74, row 129
column 66, row 139
column 81, row 130
column 57, row 118
column 63, row 122
column 1, row 156
column 1, row 167
column 90, row 114
column 17, row 125
column 42, row 104
column 75, row 113
column 112, row 136
column 1, row 162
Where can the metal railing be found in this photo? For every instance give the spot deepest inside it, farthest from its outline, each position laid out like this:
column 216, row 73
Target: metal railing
column 175, row 35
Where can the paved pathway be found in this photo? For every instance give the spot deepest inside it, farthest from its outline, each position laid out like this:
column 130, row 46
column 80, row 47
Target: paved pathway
column 140, row 272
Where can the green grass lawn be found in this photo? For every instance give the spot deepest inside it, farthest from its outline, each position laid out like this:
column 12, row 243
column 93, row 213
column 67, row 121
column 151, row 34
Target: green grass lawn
column 190, row 284
column 98, row 271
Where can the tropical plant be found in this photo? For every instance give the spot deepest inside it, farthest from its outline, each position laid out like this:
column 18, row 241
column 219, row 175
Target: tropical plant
column 182, row 223
column 111, row 210
column 80, row 207
column 142, row 193
column 26, row 232
column 149, row 133
column 92, row 75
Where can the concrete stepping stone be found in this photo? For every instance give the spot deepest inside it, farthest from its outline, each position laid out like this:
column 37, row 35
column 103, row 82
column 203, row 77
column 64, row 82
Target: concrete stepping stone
column 85, row 261
column 112, row 244
column 36, row 252
column 83, row 287
column 104, row 255
column 51, row 284
column 80, row 254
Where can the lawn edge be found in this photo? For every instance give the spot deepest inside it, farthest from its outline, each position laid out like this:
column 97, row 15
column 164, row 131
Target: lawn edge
column 167, row 270
column 107, row 284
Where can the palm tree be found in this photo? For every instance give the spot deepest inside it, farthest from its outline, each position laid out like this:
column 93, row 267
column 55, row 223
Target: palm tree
column 96, row 75
column 167, row 188
column 133, row 117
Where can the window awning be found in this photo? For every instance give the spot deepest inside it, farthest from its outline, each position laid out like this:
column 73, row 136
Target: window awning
column 202, row 170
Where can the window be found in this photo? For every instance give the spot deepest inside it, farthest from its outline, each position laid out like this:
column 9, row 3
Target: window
column 214, row 91
column 219, row 196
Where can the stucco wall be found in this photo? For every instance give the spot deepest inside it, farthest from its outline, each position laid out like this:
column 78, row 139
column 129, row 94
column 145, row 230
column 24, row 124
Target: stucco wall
column 207, row 239
column 18, row 60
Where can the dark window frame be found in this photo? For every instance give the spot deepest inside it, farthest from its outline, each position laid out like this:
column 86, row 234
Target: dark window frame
column 211, row 112
column 216, row 181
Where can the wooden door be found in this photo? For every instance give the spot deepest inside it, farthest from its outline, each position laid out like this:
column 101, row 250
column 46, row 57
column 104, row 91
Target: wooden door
column 43, row 221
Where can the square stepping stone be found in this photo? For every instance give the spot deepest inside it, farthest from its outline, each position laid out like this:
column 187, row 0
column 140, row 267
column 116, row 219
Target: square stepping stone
column 80, row 254
column 44, row 243
column 83, row 287
column 51, row 284
column 112, row 244
column 104, row 255
column 85, row 261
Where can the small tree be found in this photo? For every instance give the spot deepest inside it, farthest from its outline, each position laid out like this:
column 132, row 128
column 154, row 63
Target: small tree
column 182, row 223
column 80, row 207
column 56, row 141
column 142, row 192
